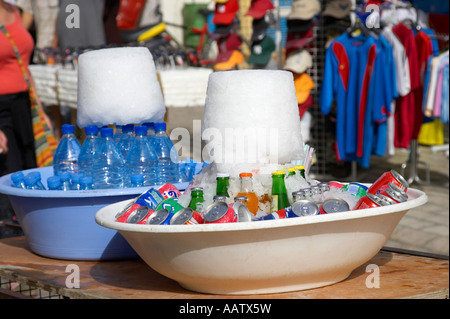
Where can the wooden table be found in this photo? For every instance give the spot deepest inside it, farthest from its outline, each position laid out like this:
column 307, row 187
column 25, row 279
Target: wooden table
column 402, row 275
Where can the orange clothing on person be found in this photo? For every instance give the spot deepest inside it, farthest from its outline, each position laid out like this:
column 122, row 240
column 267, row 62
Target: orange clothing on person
column 11, row 76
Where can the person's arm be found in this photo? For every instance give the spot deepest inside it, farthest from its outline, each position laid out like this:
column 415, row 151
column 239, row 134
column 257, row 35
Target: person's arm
column 27, row 19
column 3, row 143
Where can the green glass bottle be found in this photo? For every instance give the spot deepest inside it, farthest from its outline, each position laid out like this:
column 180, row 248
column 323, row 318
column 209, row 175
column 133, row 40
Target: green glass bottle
column 222, row 184
column 291, row 171
column 279, row 194
column 197, row 200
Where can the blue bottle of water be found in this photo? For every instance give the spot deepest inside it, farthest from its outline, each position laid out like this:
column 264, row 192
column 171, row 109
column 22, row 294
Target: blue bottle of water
column 18, row 180
column 33, row 181
column 75, row 181
column 126, row 140
column 108, row 167
column 167, row 156
column 67, row 152
column 88, row 150
column 54, row 183
column 150, row 131
column 142, row 158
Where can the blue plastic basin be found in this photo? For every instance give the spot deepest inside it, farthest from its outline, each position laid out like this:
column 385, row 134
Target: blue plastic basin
column 61, row 224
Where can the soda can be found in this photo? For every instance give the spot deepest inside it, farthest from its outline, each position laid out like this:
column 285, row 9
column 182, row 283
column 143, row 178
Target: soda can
column 392, row 193
column 140, row 215
column 355, row 189
column 152, row 198
column 218, row 198
column 160, row 217
column 281, row 214
column 386, row 199
column 304, row 208
column 171, row 204
column 169, row 191
column 220, row 212
column 186, row 216
column 401, row 193
column 335, row 185
column 334, row 205
column 241, row 199
column 122, row 216
column 324, row 187
column 242, row 212
column 370, row 201
column 298, row 195
column 388, row 177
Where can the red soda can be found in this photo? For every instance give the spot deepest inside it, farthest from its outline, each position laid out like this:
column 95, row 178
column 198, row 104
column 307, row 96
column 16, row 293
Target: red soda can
column 169, row 191
column 122, row 216
column 220, row 212
column 140, row 215
column 388, row 177
column 333, row 205
column 370, row 201
column 336, row 185
column 395, row 193
column 186, row 216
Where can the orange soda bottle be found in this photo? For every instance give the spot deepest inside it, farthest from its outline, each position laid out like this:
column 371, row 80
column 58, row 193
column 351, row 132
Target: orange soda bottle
column 247, row 190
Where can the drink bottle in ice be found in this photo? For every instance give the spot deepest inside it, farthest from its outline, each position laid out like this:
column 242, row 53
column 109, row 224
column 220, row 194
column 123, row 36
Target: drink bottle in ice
column 247, row 190
column 67, row 152
column 167, row 155
column 88, row 150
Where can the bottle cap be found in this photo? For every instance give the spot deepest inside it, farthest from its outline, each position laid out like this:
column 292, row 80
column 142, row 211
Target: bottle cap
column 67, row 129
column 53, row 181
column 128, row 128
column 65, row 176
column 17, row 176
column 246, row 175
column 91, row 130
column 31, row 178
column 222, row 175
column 140, row 130
column 160, row 126
column 278, row 173
column 107, row 132
column 300, row 167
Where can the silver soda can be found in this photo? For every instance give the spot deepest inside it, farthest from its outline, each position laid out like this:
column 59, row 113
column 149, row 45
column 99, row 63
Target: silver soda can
column 138, row 215
column 186, row 216
column 298, row 195
column 305, row 207
column 160, row 217
column 334, row 205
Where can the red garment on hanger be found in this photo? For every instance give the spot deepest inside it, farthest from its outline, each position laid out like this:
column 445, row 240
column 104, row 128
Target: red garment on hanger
column 405, row 116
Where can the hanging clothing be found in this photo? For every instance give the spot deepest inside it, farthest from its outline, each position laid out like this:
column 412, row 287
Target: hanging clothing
column 406, row 112
column 354, row 78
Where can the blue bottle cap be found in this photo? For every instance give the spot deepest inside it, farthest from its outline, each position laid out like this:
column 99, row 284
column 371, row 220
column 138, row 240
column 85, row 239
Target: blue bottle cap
column 53, row 182
column 140, row 130
column 107, row 132
column 160, row 126
column 32, row 178
column 68, row 129
column 86, row 180
column 128, row 128
column 17, row 177
column 149, row 125
column 65, row 176
column 91, row 130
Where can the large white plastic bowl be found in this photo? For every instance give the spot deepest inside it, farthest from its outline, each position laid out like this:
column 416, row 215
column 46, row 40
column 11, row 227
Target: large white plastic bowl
column 267, row 256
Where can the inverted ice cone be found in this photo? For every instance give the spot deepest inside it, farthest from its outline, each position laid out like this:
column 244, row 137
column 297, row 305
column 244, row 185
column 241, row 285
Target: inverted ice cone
column 251, row 119
column 118, row 86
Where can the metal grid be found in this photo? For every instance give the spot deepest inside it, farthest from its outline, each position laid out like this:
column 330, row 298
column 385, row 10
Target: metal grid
column 15, row 290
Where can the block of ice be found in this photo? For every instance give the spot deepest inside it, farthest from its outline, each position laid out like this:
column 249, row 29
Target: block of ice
column 251, row 120
column 118, row 86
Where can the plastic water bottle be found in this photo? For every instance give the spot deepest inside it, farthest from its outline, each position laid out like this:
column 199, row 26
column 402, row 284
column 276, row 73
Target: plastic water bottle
column 118, row 133
column 54, row 183
column 33, row 181
column 18, row 180
column 65, row 181
column 88, row 150
column 66, row 154
column 108, row 167
column 86, row 183
column 137, row 180
column 150, row 131
column 142, row 158
column 126, row 140
column 167, row 156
